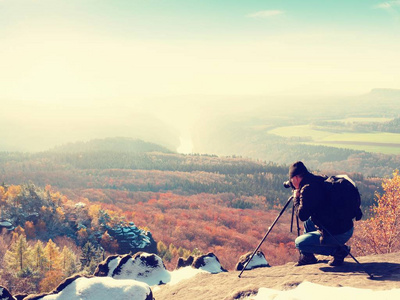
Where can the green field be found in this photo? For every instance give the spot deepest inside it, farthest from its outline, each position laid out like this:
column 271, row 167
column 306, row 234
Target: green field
column 381, row 142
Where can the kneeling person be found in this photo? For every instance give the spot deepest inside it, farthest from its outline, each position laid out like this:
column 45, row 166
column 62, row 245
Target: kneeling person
column 323, row 230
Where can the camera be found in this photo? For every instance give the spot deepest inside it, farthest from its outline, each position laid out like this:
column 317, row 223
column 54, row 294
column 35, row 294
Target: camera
column 288, row 184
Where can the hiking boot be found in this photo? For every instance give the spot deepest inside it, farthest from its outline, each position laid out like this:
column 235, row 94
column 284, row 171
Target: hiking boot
column 338, row 257
column 306, row 259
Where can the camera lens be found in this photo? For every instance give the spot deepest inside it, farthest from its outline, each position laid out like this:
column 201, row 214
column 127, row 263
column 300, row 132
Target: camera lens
column 287, row 184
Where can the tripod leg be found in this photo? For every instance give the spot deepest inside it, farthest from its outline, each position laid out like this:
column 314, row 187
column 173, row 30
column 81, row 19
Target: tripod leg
column 371, row 276
column 265, row 236
column 298, row 226
column 291, row 222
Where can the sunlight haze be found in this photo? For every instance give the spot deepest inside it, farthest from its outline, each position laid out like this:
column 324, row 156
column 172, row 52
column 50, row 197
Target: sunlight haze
column 92, row 66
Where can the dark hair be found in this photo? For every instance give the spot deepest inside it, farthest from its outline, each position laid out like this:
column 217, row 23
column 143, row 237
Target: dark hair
column 298, row 168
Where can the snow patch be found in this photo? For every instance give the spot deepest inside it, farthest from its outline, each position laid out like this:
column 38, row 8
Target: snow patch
column 180, row 275
column 184, row 273
column 102, row 288
column 112, row 265
column 257, row 261
column 212, row 265
column 311, row 291
column 137, row 269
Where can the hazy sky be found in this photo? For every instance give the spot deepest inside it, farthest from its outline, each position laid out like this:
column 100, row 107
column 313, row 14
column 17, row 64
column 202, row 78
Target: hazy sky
column 85, row 49
column 79, row 52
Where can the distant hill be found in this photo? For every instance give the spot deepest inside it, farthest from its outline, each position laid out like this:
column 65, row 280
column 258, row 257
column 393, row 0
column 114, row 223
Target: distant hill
column 385, row 93
column 378, row 102
column 115, row 144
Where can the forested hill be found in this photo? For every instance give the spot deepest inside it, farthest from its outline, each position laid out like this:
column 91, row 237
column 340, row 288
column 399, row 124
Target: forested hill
column 128, row 165
column 117, row 144
column 145, row 172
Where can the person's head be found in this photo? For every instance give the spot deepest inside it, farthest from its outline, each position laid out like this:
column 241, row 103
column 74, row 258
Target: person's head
column 297, row 171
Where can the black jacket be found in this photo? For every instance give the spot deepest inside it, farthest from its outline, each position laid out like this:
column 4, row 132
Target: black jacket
column 313, row 202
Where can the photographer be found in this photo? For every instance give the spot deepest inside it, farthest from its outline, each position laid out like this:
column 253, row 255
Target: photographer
column 319, row 219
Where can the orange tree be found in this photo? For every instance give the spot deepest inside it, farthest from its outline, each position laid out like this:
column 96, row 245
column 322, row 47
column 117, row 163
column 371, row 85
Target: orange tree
column 381, row 233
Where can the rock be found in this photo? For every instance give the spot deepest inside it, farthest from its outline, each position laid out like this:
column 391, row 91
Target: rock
column 258, row 261
column 228, row 286
column 184, row 262
column 106, row 267
column 144, row 267
column 5, row 294
column 79, row 287
column 131, row 239
column 209, row 263
column 36, row 296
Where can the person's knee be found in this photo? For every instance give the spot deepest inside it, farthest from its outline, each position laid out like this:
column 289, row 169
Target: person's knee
column 306, row 240
column 299, row 241
column 296, row 244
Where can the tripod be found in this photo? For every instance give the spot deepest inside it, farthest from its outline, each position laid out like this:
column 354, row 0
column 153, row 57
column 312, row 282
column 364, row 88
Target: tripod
column 269, row 230
column 371, row 276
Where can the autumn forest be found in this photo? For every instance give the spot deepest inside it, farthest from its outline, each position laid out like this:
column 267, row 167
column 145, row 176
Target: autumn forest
column 65, row 206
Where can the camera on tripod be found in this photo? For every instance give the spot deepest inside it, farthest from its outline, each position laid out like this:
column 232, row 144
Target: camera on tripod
column 288, row 184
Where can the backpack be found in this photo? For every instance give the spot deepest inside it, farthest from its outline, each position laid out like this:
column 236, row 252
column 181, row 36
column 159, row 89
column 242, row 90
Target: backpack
column 343, row 196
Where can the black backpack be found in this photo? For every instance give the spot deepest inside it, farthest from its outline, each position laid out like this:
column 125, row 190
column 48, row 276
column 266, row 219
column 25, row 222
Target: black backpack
column 343, row 197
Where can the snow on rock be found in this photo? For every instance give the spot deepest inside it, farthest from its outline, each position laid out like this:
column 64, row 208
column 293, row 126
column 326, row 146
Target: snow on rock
column 258, row 261
column 97, row 288
column 149, row 268
column 209, row 263
column 107, row 267
column 5, row 294
column 144, row 267
column 310, row 291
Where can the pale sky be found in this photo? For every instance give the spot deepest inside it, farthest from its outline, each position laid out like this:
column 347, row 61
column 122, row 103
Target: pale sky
column 85, row 49
column 56, row 52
